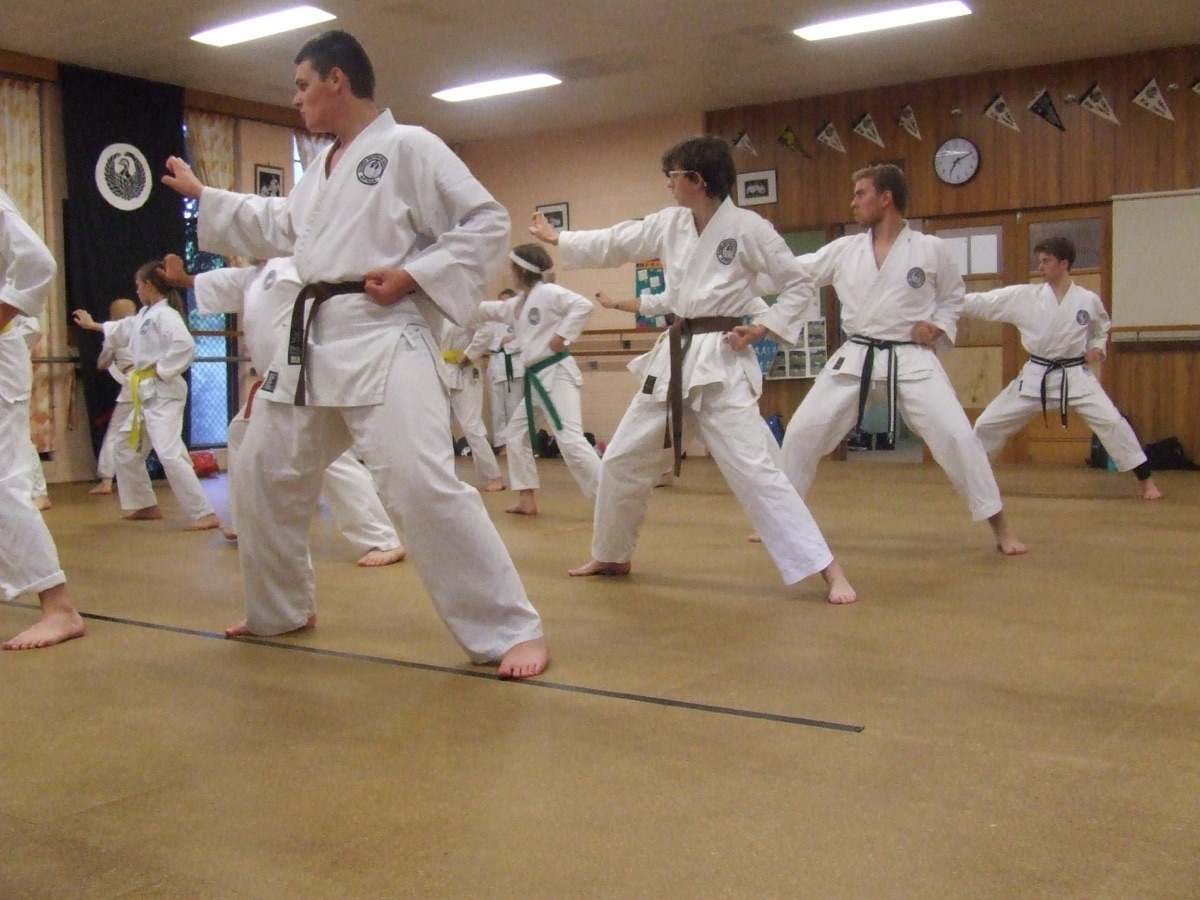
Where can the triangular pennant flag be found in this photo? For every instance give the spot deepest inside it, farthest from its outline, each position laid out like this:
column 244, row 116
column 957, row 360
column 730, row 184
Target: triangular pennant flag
column 742, row 142
column 828, row 136
column 1151, row 98
column 1094, row 101
column 998, row 111
column 866, row 127
column 791, row 140
column 908, row 121
column 1043, row 105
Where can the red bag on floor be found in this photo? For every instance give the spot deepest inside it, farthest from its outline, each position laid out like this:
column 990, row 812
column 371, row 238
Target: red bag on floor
column 205, row 463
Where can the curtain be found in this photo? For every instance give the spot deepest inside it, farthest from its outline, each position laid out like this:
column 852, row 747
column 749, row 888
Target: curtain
column 211, row 140
column 310, row 145
column 21, row 178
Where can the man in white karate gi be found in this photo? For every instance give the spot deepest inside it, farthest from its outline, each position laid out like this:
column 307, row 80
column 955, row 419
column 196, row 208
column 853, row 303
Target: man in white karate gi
column 715, row 256
column 28, row 558
column 901, row 296
column 1064, row 329
column 389, row 231
column 263, row 296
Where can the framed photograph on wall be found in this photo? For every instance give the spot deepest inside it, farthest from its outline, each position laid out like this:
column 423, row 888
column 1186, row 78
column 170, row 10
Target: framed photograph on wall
column 556, row 214
column 268, row 181
column 754, row 188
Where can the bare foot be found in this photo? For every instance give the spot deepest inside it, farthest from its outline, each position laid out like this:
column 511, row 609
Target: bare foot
column 526, row 504
column 596, row 567
column 525, row 660
column 59, row 622
column 204, row 523
column 374, row 558
column 755, row 538
column 1150, row 490
column 666, row 479
column 104, row 487
column 1006, row 541
column 146, row 512
column 496, row 484
column 43, row 502
column 230, row 534
column 840, row 591
column 242, row 630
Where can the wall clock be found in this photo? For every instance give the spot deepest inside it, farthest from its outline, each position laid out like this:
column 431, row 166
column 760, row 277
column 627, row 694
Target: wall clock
column 956, row 161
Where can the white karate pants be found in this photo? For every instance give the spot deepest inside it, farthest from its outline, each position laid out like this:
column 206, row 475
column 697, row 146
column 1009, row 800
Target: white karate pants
column 405, row 442
column 1009, row 412
column 581, row 458
column 162, row 431
column 347, row 489
column 726, row 419
column 467, row 406
column 28, row 558
column 506, row 397
column 931, row 409
column 106, row 462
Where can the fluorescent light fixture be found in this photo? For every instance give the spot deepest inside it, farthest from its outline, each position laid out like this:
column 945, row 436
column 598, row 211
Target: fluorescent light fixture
column 895, row 18
column 263, row 26
column 495, row 88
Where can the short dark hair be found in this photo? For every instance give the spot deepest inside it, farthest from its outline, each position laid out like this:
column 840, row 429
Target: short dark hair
column 340, row 50
column 708, row 157
column 1061, row 248
column 536, row 255
column 887, row 177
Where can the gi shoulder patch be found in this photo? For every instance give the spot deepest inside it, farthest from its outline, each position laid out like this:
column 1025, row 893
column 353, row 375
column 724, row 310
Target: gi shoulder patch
column 726, row 251
column 268, row 385
column 370, row 170
column 916, row 277
column 535, row 315
column 1083, row 317
column 269, row 279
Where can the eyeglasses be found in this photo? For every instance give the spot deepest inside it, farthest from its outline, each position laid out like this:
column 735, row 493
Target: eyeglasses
column 675, row 173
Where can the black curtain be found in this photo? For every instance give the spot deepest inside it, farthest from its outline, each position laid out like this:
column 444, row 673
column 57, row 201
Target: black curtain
column 118, row 133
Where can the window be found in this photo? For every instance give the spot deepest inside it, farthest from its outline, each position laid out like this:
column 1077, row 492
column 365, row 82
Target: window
column 976, row 251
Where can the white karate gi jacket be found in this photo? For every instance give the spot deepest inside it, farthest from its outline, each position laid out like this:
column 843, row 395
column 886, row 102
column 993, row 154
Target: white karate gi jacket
column 1049, row 329
column 399, row 198
column 721, row 272
column 156, row 337
column 918, row 282
column 263, row 296
column 24, row 284
column 535, row 318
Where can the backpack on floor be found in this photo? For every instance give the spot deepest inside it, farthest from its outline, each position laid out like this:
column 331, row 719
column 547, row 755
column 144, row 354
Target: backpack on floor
column 1169, row 454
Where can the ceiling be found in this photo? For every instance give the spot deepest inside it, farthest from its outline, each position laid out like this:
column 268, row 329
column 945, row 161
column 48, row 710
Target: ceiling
column 619, row 59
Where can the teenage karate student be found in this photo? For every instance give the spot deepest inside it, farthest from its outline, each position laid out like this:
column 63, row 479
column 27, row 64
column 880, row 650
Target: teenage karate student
column 1064, row 329
column 389, row 231
column 119, row 363
column 28, row 558
column 545, row 318
column 162, row 350
column 263, row 296
column 506, row 377
column 461, row 351
column 901, row 296
column 714, row 255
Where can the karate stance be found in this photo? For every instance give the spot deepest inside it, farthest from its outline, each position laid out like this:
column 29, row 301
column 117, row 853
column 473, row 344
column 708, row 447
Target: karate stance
column 461, row 350
column 162, row 349
column 545, row 318
column 28, row 558
column 1064, row 329
column 388, row 227
column 119, row 363
column 714, row 255
column 262, row 296
column 901, row 295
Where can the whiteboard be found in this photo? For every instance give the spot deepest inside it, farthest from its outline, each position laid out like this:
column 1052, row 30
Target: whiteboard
column 1156, row 263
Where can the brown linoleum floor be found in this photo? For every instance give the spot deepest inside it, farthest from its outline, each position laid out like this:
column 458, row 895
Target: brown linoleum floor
column 1029, row 727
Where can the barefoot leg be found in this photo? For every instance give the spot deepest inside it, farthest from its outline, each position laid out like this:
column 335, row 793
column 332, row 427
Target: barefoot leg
column 1149, row 490
column 59, row 622
column 146, row 513
column 597, row 567
column 496, row 484
column 241, row 629
column 104, row 487
column 204, row 523
column 840, row 591
column 1006, row 541
column 375, row 558
column 526, row 504
column 525, row 660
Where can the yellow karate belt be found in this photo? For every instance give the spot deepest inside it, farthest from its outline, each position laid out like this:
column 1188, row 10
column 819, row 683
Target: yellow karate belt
column 7, row 327
column 452, row 357
column 135, row 382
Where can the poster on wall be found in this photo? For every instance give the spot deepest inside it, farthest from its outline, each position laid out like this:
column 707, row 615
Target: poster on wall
column 649, row 279
column 268, row 181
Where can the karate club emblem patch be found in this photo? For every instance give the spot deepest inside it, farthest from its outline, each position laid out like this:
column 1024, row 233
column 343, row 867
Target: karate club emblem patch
column 123, row 176
column 1083, row 317
column 269, row 281
column 370, row 170
column 726, row 251
column 535, row 316
column 916, row 277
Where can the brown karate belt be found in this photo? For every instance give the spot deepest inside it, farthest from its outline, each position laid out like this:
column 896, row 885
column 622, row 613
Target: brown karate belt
column 679, row 339
column 318, row 292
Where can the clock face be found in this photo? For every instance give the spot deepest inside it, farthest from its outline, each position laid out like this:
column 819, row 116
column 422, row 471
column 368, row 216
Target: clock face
column 956, row 161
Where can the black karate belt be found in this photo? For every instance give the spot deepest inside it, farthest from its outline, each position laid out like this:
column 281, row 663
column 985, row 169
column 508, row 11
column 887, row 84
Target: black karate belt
column 508, row 369
column 318, row 292
column 1064, row 393
column 864, row 384
column 532, row 383
column 679, row 339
